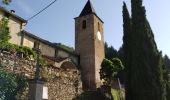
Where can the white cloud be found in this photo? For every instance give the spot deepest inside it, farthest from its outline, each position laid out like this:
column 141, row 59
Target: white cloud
column 25, row 7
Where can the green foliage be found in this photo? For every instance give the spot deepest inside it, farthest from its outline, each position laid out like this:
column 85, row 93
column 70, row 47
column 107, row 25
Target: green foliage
column 97, row 95
column 43, row 62
column 6, row 2
column 166, row 62
column 167, row 84
column 107, row 70
column 115, row 94
column 144, row 73
column 12, row 48
column 127, row 49
column 110, row 68
column 110, row 52
column 26, row 52
column 4, row 30
column 90, row 95
column 168, row 90
column 117, row 64
column 11, row 84
column 70, row 49
column 5, row 46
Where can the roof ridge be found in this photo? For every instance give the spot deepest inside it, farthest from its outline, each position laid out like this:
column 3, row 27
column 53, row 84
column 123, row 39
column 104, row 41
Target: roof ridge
column 12, row 14
column 46, row 41
column 88, row 9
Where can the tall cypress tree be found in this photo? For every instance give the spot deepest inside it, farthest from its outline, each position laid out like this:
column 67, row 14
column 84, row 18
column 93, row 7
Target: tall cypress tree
column 146, row 62
column 143, row 62
column 127, row 41
column 166, row 62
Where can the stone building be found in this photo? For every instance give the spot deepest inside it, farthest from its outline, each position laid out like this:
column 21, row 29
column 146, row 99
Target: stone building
column 89, row 44
column 51, row 51
column 16, row 24
column 63, row 78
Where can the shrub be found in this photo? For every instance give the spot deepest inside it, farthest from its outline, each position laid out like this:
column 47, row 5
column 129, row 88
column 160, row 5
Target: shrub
column 11, row 84
column 4, row 46
column 12, row 48
column 110, row 68
column 21, row 50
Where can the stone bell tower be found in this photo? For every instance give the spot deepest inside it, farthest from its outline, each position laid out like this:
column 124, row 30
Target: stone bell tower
column 89, row 45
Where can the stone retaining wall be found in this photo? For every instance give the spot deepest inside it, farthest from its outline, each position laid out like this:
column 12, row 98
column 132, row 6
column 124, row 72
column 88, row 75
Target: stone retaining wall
column 63, row 84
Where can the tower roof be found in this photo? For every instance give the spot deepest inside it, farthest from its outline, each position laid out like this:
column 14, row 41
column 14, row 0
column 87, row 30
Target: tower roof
column 88, row 9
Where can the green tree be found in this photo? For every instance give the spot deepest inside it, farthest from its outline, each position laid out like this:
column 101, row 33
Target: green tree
column 10, row 85
column 121, row 74
column 168, row 91
column 127, row 49
column 167, row 75
column 110, row 52
column 118, row 66
column 4, row 30
column 110, row 68
column 166, row 62
column 70, row 49
column 167, row 84
column 7, row 2
column 145, row 74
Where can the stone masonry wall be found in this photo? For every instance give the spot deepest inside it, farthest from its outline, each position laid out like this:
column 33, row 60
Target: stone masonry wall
column 63, row 84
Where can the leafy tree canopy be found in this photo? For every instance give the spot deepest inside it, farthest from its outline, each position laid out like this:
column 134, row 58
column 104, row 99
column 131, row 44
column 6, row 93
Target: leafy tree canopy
column 110, row 52
column 70, row 49
column 117, row 64
column 10, row 85
column 110, row 68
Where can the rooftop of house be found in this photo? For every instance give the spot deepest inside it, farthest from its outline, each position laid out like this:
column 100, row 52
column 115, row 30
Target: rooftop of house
column 12, row 13
column 55, row 45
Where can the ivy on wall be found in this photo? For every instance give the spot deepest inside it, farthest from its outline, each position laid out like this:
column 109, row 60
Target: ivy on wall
column 4, row 30
column 21, row 51
column 12, row 48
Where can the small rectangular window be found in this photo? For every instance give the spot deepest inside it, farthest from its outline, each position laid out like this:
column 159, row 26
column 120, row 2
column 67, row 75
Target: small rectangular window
column 98, row 26
column 36, row 44
column 6, row 15
column 84, row 24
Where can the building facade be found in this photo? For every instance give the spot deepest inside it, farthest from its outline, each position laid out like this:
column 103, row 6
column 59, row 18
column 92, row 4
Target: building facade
column 16, row 25
column 51, row 51
column 89, row 44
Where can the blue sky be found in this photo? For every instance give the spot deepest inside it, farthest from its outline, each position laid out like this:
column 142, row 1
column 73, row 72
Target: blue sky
column 56, row 24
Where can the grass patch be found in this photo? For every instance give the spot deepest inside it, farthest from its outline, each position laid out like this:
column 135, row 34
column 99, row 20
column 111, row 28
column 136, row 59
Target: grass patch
column 115, row 94
column 90, row 95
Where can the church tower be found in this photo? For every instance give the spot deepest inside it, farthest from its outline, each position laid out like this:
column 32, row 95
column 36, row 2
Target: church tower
column 89, row 45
